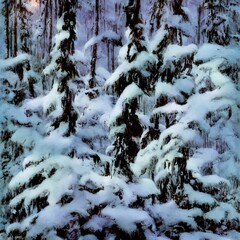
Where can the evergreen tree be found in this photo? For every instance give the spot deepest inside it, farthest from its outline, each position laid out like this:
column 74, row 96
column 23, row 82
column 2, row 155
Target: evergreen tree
column 37, row 166
column 18, row 82
column 30, row 197
column 221, row 21
column 61, row 70
column 181, row 162
column 131, row 82
column 169, row 120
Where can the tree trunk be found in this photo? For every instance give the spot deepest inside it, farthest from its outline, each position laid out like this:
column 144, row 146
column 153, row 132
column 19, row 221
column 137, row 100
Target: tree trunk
column 11, row 41
column 92, row 82
column 15, row 30
column 7, row 28
column 199, row 24
column 45, row 25
column 132, row 13
column 50, row 25
column 113, row 57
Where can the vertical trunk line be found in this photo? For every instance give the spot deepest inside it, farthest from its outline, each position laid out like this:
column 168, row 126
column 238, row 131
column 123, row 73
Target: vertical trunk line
column 15, row 30
column 92, row 82
column 50, row 25
column 7, row 28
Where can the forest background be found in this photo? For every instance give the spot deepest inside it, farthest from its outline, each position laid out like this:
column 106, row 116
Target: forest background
column 119, row 119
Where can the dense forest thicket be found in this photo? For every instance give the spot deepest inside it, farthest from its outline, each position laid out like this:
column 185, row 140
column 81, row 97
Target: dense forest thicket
column 120, row 119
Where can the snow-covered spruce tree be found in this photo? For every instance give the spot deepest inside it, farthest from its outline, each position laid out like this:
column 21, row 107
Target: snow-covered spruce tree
column 170, row 15
column 165, row 160
column 122, row 215
column 29, row 195
column 61, row 70
column 221, row 21
column 173, row 61
column 168, row 30
column 130, row 82
column 18, row 82
column 57, row 180
column 217, row 125
column 179, row 161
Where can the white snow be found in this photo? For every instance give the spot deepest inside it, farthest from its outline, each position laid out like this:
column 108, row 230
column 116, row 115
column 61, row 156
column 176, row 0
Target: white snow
column 214, row 51
column 140, row 62
column 176, row 52
column 198, row 197
column 157, row 38
column 172, row 214
column 202, row 235
column 223, row 212
column 126, row 218
column 11, row 62
column 130, row 92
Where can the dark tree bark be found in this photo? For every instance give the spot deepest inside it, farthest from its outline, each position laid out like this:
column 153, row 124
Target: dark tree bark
column 200, row 12
column 67, row 11
column 92, row 82
column 7, row 28
column 15, row 30
column 132, row 13
column 50, row 25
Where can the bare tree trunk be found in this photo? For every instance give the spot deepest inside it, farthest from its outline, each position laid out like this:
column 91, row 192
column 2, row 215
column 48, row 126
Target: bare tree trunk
column 7, row 28
column 45, row 26
column 56, row 8
column 108, row 56
column 11, row 41
column 200, row 8
column 104, row 20
column 15, row 30
column 113, row 58
column 50, row 25
column 132, row 13
column 92, row 82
